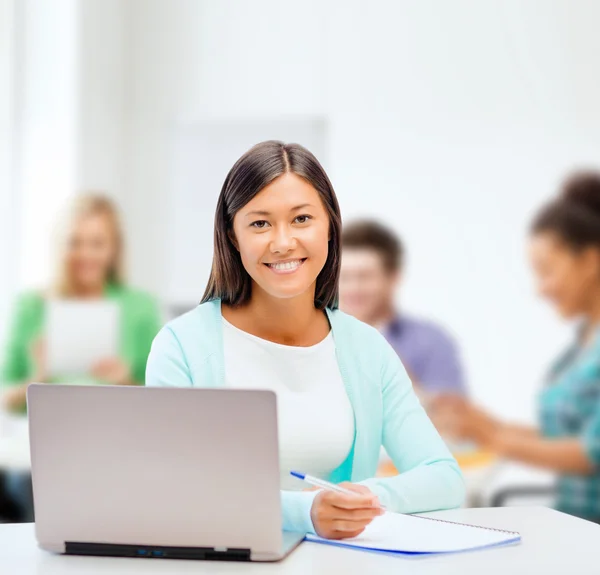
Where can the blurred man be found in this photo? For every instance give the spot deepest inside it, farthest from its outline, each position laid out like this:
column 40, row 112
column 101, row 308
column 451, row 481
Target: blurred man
column 372, row 258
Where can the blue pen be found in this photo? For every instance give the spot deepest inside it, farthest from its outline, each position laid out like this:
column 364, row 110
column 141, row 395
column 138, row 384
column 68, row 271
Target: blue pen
column 323, row 484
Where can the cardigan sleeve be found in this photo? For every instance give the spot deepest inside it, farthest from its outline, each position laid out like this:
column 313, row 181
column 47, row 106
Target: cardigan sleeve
column 17, row 362
column 147, row 326
column 167, row 365
column 429, row 478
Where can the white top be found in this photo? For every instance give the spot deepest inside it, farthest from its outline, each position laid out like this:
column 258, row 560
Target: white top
column 316, row 421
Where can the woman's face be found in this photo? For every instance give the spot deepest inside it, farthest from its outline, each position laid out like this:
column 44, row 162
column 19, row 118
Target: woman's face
column 282, row 235
column 569, row 279
column 91, row 251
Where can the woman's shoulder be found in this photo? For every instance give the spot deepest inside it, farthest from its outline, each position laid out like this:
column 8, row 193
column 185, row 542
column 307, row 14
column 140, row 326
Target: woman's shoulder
column 363, row 346
column 347, row 321
column 196, row 326
column 203, row 312
column 133, row 296
column 27, row 312
column 354, row 331
column 31, row 301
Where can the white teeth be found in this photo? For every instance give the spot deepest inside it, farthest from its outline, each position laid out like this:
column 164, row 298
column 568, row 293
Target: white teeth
column 286, row 265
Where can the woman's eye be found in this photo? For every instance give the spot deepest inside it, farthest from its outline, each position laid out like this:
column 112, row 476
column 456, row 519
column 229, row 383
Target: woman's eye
column 259, row 224
column 303, row 219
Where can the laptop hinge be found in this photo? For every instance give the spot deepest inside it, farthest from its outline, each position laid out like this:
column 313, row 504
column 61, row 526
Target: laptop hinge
column 157, row 551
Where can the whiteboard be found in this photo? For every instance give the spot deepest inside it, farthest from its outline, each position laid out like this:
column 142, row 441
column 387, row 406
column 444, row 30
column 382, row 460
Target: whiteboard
column 203, row 154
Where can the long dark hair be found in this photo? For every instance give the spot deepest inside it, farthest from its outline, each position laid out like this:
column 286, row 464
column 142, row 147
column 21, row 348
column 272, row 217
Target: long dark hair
column 575, row 215
column 256, row 169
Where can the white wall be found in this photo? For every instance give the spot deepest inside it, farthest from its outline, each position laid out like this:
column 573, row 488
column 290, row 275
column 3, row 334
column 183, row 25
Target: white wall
column 102, row 106
column 452, row 121
column 46, row 112
column 7, row 198
column 69, row 116
column 479, row 109
column 202, row 60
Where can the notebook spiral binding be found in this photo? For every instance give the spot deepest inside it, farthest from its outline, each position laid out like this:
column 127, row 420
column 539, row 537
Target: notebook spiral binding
column 469, row 525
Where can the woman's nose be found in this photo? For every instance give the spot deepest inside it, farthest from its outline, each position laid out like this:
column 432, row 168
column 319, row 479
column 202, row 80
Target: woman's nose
column 283, row 241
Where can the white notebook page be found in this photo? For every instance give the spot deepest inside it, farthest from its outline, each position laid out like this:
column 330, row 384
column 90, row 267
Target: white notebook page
column 412, row 534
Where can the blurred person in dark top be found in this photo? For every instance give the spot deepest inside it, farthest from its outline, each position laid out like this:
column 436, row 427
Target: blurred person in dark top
column 372, row 265
column 89, row 267
column 564, row 251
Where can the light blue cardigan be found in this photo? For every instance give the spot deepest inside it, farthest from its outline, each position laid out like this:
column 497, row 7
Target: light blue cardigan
column 188, row 352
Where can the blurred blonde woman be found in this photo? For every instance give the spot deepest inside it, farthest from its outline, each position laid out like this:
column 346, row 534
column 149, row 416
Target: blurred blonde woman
column 89, row 266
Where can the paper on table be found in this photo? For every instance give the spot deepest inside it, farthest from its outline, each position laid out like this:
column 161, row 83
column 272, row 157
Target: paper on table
column 398, row 533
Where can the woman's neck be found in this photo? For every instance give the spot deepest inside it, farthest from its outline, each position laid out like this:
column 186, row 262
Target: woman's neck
column 293, row 321
column 384, row 316
column 88, row 292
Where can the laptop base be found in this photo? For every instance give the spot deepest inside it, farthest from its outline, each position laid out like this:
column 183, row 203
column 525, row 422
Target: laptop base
column 156, row 552
column 290, row 542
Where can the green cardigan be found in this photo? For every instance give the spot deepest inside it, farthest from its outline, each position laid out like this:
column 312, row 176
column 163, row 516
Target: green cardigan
column 188, row 352
column 140, row 322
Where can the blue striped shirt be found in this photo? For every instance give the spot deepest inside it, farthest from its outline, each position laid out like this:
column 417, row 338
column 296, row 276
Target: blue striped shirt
column 570, row 408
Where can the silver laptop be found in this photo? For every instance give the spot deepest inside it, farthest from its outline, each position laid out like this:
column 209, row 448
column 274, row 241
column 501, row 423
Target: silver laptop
column 157, row 473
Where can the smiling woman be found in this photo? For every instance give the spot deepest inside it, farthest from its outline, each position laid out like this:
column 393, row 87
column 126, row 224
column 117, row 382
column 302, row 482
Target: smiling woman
column 283, row 212
column 269, row 319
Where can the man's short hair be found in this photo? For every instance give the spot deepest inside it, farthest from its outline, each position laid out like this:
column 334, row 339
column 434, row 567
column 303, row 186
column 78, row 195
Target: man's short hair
column 372, row 235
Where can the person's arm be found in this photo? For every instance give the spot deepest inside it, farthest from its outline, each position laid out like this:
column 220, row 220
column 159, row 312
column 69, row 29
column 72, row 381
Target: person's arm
column 19, row 355
column 560, row 455
column 429, row 478
column 460, row 419
column 167, row 367
column 520, row 431
column 564, row 455
column 15, row 397
column 149, row 325
column 576, row 455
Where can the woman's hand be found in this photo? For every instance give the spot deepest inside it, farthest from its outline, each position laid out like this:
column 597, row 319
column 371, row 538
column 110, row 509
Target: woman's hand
column 112, row 371
column 460, row 419
column 339, row 516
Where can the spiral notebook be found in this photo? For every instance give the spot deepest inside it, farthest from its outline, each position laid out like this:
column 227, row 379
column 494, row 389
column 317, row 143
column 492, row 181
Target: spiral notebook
column 400, row 534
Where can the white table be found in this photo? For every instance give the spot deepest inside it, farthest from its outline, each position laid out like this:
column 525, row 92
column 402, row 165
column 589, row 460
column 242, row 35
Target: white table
column 552, row 543
column 514, row 475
